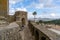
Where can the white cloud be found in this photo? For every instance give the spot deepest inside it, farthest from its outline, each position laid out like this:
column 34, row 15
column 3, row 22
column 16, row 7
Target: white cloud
column 15, row 1
column 12, row 2
column 41, row 1
column 47, row 15
column 39, row 6
column 57, row 0
column 12, row 10
column 30, row 15
column 53, row 14
column 21, row 9
column 42, row 4
column 36, row 5
column 48, row 3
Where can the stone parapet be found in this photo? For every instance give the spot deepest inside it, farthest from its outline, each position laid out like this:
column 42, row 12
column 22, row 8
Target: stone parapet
column 40, row 32
column 11, row 32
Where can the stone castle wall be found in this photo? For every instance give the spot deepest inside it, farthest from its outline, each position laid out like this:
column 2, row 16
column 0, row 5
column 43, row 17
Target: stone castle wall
column 40, row 33
column 11, row 32
column 4, row 4
column 10, row 18
column 21, row 17
column 43, row 33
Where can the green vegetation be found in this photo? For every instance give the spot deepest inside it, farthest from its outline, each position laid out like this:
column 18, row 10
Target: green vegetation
column 56, row 22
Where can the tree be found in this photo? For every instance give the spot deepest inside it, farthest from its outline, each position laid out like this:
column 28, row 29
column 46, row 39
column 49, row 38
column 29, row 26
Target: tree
column 40, row 21
column 34, row 13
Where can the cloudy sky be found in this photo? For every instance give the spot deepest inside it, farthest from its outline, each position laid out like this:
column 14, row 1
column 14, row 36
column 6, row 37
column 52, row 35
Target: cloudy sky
column 44, row 8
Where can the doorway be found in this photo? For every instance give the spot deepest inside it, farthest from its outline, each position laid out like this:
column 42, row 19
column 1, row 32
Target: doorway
column 23, row 21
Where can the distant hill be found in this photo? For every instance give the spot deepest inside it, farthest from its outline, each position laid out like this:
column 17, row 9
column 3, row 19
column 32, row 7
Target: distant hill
column 43, row 19
column 56, row 21
column 46, row 19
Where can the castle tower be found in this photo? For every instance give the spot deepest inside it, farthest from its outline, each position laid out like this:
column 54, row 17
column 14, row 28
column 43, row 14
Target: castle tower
column 4, row 7
column 21, row 16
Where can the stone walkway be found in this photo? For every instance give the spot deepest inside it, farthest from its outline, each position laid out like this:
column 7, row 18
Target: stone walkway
column 22, row 33
column 54, row 30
